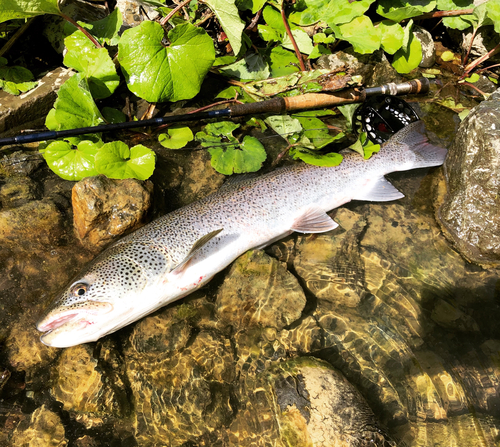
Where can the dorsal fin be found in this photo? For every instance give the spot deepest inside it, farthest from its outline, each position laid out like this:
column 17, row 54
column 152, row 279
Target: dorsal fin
column 201, row 242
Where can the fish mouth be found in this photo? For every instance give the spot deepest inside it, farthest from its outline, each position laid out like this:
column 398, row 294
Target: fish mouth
column 62, row 327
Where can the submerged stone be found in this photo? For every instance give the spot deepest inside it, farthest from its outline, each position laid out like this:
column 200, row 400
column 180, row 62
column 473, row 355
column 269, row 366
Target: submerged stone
column 259, row 291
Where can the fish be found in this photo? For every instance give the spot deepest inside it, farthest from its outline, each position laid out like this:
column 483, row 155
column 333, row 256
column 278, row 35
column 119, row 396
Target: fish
column 179, row 252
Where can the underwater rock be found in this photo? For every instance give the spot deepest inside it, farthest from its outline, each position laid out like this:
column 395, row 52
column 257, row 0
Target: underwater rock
column 20, row 163
column 259, row 291
column 79, row 384
column 43, row 429
column 104, row 209
column 34, row 225
column 470, row 213
column 18, row 191
column 305, row 402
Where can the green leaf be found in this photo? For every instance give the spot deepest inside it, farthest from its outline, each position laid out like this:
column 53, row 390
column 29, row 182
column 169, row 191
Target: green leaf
column 251, row 68
column 176, row 137
column 283, row 62
column 369, row 149
column 115, row 160
column 16, row 79
column 158, row 74
column 284, row 125
column 254, row 5
column 247, row 158
column 302, row 40
column 107, row 29
column 333, row 12
column 113, row 116
column 493, row 12
column 74, row 106
column 313, row 158
column 19, row 9
column 72, row 163
column 233, row 157
column 323, row 38
column 315, row 130
column 348, row 111
column 227, row 14
column 392, row 36
column 406, row 61
column 404, row 9
column 94, row 63
column 361, row 34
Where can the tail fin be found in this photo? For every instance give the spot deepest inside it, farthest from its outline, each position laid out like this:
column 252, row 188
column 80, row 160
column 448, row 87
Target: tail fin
column 414, row 137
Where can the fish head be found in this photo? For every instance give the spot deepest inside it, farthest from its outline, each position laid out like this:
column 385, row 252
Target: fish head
column 96, row 302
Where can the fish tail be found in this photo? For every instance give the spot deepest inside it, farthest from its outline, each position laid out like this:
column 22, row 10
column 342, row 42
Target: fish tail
column 415, row 139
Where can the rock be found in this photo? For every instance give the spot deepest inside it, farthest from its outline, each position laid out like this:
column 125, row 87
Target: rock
column 305, row 402
column 104, row 209
column 35, row 225
column 20, row 163
column 428, row 49
column 134, row 12
column 28, row 110
column 471, row 209
column 374, row 69
column 44, row 428
column 18, row 191
column 80, row 385
column 259, row 291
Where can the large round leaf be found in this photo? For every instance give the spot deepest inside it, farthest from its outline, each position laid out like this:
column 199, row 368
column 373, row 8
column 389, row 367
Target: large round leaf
column 116, row 160
column 69, row 163
column 157, row 73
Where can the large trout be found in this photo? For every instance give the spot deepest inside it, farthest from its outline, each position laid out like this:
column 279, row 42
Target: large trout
column 179, row 252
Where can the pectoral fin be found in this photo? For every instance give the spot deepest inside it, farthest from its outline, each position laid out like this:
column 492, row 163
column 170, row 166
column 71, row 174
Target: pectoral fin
column 314, row 220
column 381, row 191
column 201, row 242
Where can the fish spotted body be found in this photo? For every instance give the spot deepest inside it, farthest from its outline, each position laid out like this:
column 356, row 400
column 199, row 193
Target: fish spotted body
column 179, row 252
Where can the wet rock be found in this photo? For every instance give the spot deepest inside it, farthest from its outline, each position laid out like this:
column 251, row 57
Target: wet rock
column 470, row 212
column 259, row 291
column 200, row 178
column 28, row 110
column 305, row 402
column 44, row 428
column 374, row 69
column 134, row 12
column 104, row 209
column 78, row 383
column 428, row 49
column 35, row 225
column 18, row 191
column 24, row 349
column 20, row 163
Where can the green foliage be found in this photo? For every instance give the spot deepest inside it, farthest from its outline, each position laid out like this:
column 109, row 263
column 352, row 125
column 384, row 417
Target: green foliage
column 176, row 137
column 16, row 79
column 20, row 9
column 116, row 160
column 228, row 155
column 160, row 67
column 159, row 74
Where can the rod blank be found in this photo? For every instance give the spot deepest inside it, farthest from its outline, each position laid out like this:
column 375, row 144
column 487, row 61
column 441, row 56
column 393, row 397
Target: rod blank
column 275, row 105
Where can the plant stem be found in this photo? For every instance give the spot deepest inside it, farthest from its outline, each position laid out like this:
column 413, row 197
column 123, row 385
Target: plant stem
column 484, row 57
column 173, row 12
column 83, row 30
column 290, row 35
column 437, row 14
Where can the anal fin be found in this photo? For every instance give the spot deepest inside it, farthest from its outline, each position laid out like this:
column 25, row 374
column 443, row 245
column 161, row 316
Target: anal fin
column 201, row 242
column 314, row 220
column 381, row 191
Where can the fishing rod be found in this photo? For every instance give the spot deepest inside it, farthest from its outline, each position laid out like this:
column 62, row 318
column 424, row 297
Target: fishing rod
column 276, row 105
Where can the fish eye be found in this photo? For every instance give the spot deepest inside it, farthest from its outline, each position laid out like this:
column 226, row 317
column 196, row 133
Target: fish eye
column 79, row 289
